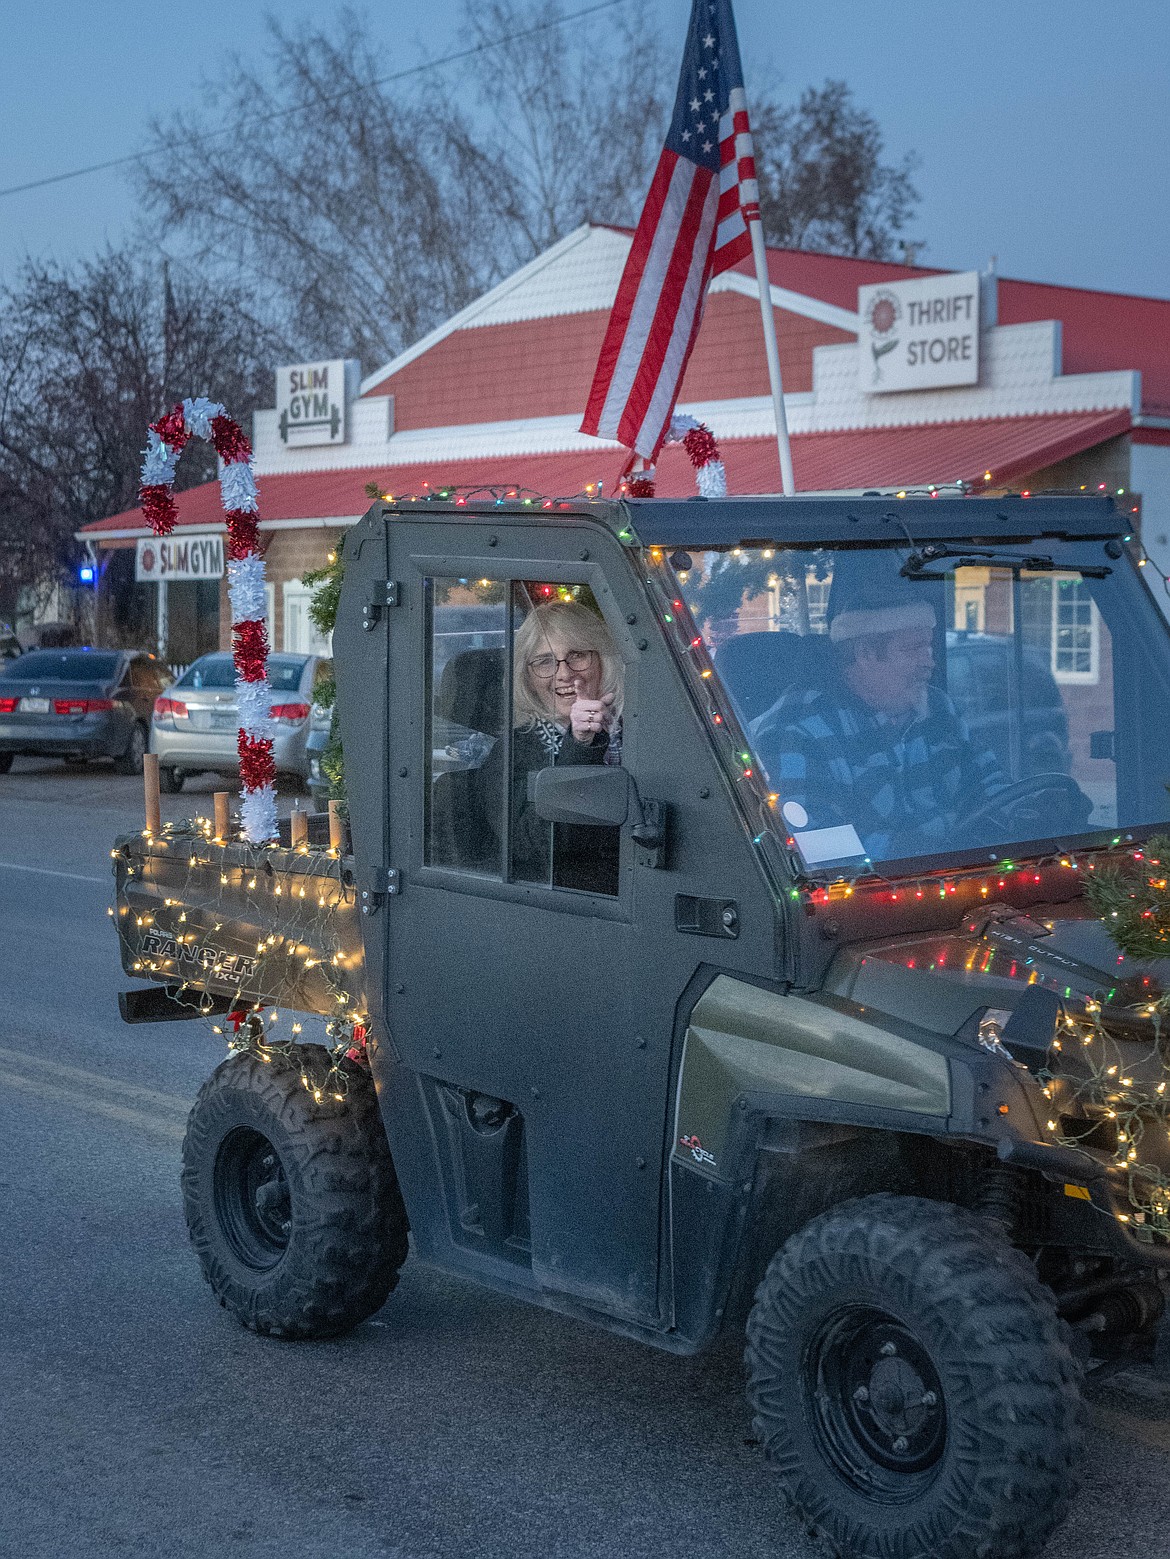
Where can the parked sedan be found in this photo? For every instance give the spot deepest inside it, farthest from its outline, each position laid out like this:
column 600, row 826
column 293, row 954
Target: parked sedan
column 77, row 704
column 196, row 722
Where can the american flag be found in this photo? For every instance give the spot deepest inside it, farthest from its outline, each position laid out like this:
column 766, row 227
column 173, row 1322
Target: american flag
column 694, row 225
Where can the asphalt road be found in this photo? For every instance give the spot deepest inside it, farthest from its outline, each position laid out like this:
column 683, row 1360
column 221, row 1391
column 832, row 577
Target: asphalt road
column 136, row 1418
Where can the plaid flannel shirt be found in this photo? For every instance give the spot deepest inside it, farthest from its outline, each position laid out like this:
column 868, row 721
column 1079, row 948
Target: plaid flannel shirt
column 903, row 784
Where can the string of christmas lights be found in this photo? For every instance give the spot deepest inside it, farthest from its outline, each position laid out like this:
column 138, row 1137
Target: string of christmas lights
column 259, row 928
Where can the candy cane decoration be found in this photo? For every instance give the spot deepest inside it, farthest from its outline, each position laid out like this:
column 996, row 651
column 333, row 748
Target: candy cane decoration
column 165, row 442
column 702, row 451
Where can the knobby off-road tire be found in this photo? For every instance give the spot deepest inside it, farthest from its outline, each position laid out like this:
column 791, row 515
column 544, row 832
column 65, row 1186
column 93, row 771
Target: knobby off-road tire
column 293, row 1206
column 913, row 1385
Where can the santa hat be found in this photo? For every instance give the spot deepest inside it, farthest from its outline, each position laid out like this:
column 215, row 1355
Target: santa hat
column 856, row 620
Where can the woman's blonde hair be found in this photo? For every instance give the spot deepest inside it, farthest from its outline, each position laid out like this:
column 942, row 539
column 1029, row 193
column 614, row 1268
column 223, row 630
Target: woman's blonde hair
column 583, row 630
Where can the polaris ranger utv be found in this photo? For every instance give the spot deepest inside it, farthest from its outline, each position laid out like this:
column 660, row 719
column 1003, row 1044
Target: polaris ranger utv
column 778, row 994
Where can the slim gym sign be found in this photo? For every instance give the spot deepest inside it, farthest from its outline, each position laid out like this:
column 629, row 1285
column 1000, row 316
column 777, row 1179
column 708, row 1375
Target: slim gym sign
column 919, row 335
column 311, row 400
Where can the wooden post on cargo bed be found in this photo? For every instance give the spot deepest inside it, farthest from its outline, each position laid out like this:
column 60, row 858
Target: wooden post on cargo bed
column 336, row 828
column 150, row 787
column 298, row 828
column 223, row 816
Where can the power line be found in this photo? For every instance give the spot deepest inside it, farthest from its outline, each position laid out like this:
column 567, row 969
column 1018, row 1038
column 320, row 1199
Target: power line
column 284, row 113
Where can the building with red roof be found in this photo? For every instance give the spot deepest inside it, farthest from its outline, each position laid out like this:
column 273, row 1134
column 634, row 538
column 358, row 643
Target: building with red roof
column 1072, row 390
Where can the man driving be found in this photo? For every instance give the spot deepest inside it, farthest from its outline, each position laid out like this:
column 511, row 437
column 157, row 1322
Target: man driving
column 877, row 745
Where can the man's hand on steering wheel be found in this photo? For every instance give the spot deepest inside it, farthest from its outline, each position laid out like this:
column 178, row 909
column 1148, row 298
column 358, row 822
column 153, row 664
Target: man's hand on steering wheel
column 1054, row 803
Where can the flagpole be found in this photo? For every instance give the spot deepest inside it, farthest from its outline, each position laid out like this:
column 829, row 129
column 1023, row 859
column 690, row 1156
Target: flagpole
column 772, row 352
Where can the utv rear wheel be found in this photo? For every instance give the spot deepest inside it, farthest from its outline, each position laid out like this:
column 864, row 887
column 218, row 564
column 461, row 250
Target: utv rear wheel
column 913, row 1386
column 292, row 1204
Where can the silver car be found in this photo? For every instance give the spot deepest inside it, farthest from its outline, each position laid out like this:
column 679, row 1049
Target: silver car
column 196, row 721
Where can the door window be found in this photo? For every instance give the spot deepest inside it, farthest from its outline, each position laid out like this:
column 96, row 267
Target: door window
column 567, row 701
column 522, row 675
column 467, row 666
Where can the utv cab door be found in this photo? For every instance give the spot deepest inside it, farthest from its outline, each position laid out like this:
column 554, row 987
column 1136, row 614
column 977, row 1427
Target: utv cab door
column 519, row 987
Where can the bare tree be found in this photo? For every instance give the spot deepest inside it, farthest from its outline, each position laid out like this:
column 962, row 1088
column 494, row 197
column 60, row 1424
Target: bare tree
column 572, row 118
column 364, row 214
column 823, row 183
column 349, row 208
column 91, row 355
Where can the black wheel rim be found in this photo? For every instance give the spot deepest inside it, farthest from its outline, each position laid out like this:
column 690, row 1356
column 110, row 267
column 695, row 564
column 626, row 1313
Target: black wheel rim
column 252, row 1202
column 876, row 1405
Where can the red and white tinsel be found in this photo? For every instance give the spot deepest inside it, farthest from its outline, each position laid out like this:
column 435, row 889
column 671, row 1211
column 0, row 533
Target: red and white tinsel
column 702, row 451
column 166, row 439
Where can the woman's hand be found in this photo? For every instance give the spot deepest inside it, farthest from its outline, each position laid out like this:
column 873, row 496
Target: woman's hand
column 588, row 716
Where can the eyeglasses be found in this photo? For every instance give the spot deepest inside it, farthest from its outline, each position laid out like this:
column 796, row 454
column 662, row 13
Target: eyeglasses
column 546, row 665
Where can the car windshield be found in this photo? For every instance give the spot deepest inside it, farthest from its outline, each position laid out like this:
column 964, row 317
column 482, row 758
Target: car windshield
column 63, row 666
column 218, row 671
column 897, row 708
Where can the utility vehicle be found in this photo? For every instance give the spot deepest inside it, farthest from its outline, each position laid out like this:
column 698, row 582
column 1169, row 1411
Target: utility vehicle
column 779, row 1062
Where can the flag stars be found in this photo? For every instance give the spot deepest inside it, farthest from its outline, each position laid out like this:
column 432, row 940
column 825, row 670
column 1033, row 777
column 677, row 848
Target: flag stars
column 695, row 104
column 709, row 42
column 707, row 146
column 702, row 73
column 708, row 95
column 686, row 135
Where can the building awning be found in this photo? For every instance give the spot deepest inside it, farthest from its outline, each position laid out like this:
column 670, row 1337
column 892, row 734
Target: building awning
column 847, row 461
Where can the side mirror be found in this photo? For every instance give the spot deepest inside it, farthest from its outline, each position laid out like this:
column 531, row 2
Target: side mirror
column 602, row 795
column 584, row 793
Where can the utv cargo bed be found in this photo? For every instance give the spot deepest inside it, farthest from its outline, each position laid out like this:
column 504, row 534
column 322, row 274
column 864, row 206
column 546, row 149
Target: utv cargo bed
column 227, row 926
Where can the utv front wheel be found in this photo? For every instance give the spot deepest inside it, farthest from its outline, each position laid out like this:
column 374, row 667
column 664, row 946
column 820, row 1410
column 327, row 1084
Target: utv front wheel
column 292, row 1204
column 913, row 1386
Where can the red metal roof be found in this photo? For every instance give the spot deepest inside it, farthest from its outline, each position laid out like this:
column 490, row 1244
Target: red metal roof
column 1008, row 447
column 1099, row 330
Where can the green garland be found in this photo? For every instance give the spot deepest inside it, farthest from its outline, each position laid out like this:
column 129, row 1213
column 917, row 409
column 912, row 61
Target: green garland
column 1133, row 899
column 326, row 586
column 1122, row 1091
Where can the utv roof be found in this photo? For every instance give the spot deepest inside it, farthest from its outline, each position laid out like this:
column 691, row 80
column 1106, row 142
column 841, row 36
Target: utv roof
column 824, row 521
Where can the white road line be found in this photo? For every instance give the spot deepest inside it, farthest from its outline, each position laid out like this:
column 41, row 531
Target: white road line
column 45, row 871
column 117, row 1112
column 86, row 1081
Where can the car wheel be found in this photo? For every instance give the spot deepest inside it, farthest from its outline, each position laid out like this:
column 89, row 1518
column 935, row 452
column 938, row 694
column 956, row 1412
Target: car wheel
column 131, row 760
column 170, row 779
column 291, row 1198
column 913, row 1386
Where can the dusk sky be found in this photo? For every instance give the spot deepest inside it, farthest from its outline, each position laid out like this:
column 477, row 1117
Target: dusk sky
column 1041, row 127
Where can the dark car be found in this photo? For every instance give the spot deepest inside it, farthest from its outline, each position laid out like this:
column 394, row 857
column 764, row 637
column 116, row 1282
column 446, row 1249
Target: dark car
column 79, row 703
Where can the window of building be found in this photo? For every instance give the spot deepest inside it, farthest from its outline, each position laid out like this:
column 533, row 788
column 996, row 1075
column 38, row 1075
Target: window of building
column 301, row 636
column 1076, row 633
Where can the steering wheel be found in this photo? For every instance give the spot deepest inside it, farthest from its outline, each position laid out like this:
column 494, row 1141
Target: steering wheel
column 1055, row 803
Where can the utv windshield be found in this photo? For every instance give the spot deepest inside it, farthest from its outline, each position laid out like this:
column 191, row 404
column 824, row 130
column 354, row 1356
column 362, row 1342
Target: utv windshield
column 905, row 705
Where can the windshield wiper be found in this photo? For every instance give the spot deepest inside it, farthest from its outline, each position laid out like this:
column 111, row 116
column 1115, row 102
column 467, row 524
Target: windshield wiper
column 917, row 565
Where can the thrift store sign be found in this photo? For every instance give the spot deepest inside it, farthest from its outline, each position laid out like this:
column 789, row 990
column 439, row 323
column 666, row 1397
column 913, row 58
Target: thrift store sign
column 919, row 335
column 177, row 557
column 310, row 403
